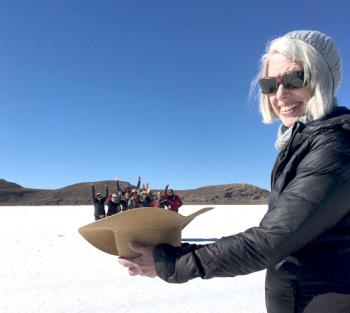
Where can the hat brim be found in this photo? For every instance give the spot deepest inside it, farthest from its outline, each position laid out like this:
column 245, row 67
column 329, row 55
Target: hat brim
column 147, row 226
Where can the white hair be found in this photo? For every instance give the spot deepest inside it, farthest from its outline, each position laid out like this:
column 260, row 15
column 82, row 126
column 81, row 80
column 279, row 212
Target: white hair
column 316, row 73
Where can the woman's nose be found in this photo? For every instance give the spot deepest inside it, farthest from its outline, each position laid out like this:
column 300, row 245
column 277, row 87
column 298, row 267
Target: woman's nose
column 281, row 92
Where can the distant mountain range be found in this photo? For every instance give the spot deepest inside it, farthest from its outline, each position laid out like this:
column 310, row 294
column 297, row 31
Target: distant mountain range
column 80, row 194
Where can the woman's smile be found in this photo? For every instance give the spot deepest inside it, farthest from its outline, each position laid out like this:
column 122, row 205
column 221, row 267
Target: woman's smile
column 288, row 104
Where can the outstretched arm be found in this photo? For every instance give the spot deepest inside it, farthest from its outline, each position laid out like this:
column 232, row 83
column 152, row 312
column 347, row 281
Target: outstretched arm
column 93, row 192
column 138, row 182
column 291, row 222
column 117, row 188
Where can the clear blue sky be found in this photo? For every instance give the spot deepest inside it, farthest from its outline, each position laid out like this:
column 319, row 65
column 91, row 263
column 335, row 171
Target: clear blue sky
column 90, row 90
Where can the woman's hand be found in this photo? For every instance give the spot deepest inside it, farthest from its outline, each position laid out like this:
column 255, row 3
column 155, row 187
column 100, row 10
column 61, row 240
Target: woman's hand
column 142, row 265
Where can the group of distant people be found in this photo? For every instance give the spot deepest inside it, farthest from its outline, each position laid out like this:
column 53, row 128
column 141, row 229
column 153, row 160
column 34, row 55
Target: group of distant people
column 130, row 198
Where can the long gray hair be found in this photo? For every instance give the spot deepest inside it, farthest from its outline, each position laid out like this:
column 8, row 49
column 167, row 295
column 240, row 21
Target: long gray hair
column 316, row 73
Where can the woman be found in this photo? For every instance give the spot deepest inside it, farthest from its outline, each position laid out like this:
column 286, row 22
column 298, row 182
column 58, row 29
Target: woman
column 99, row 202
column 304, row 239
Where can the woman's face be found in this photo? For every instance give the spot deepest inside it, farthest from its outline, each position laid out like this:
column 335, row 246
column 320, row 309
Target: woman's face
column 288, row 105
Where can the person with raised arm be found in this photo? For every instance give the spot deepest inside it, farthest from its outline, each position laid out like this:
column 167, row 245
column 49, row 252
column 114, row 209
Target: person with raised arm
column 99, row 202
column 128, row 188
column 173, row 201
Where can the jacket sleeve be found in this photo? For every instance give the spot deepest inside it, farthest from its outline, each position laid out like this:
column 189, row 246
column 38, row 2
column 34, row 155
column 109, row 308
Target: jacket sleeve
column 117, row 187
column 166, row 257
column 93, row 193
column 314, row 200
column 138, row 184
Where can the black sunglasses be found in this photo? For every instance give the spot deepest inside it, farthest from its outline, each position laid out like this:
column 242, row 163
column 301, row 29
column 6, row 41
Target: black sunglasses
column 291, row 80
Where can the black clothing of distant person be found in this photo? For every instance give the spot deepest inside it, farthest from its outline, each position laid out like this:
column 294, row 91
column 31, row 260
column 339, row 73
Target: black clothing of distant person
column 99, row 202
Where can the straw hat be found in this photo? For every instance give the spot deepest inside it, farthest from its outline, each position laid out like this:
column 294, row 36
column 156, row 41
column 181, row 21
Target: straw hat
column 148, row 226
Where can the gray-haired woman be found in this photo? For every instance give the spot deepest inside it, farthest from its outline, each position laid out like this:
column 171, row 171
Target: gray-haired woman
column 304, row 238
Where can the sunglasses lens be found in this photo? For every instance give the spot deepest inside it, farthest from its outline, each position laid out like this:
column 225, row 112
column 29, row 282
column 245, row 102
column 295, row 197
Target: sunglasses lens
column 293, row 80
column 268, row 85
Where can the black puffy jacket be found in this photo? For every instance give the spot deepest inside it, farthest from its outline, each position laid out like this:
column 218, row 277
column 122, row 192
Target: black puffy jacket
column 304, row 238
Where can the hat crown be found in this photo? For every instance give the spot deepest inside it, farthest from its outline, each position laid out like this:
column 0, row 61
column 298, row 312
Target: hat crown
column 325, row 46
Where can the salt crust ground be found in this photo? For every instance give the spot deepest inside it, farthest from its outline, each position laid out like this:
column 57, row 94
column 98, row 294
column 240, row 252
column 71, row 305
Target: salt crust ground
column 47, row 267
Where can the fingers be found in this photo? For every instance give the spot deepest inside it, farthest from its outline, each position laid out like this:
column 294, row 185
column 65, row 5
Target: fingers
column 133, row 271
column 136, row 269
column 142, row 265
column 151, row 273
column 127, row 263
column 142, row 271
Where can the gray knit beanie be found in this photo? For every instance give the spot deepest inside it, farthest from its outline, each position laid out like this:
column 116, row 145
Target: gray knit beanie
column 324, row 45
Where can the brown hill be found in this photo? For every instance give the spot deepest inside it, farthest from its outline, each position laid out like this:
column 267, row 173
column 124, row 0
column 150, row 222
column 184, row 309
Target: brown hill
column 80, row 194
